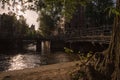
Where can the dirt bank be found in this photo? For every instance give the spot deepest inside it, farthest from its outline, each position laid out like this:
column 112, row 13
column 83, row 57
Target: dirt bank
column 60, row 71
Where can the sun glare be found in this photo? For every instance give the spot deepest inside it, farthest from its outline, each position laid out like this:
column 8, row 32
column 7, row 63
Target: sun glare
column 19, row 7
column 19, row 12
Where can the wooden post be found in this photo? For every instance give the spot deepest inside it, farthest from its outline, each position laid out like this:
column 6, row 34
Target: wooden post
column 45, row 47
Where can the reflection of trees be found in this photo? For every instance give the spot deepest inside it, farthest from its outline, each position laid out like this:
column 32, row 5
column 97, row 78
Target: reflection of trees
column 11, row 27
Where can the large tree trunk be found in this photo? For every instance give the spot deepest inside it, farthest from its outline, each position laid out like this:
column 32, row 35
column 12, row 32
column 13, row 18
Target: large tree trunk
column 110, row 65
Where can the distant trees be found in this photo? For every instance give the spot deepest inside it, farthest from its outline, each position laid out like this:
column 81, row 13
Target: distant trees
column 20, row 27
column 10, row 27
column 7, row 26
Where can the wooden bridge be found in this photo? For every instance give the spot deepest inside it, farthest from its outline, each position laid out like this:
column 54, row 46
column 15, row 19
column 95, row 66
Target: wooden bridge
column 105, row 39
column 96, row 39
column 94, row 34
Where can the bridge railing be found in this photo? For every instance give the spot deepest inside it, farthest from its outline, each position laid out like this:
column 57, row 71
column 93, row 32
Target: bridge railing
column 102, row 39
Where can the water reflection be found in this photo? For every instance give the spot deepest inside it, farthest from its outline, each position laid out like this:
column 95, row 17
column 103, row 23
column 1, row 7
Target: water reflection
column 21, row 61
column 30, row 60
column 30, row 47
column 45, row 47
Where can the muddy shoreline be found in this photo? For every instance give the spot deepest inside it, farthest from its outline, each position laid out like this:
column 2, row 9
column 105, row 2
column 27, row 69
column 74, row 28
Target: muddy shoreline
column 60, row 71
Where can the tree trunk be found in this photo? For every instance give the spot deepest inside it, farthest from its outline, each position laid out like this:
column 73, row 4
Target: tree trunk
column 110, row 65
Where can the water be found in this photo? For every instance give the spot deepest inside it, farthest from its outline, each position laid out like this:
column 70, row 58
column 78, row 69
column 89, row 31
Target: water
column 20, row 61
column 30, row 60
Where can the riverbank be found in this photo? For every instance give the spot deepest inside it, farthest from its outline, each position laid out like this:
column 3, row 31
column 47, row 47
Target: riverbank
column 60, row 71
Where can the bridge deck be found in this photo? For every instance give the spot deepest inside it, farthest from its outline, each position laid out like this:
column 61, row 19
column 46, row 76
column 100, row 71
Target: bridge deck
column 101, row 39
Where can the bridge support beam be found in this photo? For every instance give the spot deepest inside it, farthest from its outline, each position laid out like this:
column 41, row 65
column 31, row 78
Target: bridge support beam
column 45, row 47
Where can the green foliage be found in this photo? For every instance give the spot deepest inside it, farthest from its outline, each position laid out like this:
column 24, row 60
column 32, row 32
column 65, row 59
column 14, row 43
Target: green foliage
column 89, row 54
column 84, row 57
column 67, row 50
column 13, row 28
column 79, row 72
column 50, row 16
column 47, row 23
column 31, row 34
column 53, row 10
column 113, row 10
column 95, row 11
column 7, row 29
column 97, row 14
column 63, row 7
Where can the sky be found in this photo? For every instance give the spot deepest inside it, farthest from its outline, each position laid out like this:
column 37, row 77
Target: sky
column 30, row 15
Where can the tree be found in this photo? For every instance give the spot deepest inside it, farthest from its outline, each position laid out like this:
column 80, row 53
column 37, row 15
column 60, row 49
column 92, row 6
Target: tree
column 97, row 12
column 7, row 29
column 23, row 26
column 11, row 27
column 111, row 69
column 52, row 11
column 50, row 15
column 46, row 25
